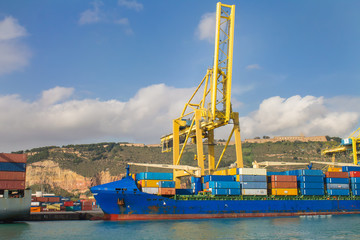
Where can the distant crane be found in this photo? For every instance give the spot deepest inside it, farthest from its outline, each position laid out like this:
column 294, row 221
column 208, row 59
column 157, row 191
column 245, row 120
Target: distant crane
column 352, row 143
column 209, row 107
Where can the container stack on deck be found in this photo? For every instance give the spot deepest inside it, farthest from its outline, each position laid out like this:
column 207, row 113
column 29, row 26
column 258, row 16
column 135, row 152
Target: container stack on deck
column 354, row 177
column 221, row 185
column 12, row 171
column 149, row 181
column 285, row 185
column 337, row 183
column 166, row 188
column 253, row 181
column 310, row 182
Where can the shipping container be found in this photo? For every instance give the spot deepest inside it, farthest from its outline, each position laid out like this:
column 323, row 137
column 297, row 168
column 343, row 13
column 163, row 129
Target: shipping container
column 255, row 192
column 224, row 178
column 312, row 191
column 251, row 171
column 166, row 191
column 337, row 180
column 350, row 169
column 195, row 179
column 12, row 167
column 12, row 185
column 35, row 204
column 196, row 187
column 218, row 191
column 310, row 179
column 334, row 169
column 149, row 183
column 35, row 209
column 154, row 176
column 336, row 175
column 355, row 180
column 354, row 174
column 337, row 186
column 53, row 199
column 8, row 175
column 312, row 185
column 222, row 184
column 251, row 178
column 166, row 184
column 151, row 190
column 184, row 191
column 234, row 191
column 283, row 178
column 308, row 172
column 338, row 192
column 356, row 192
column 355, row 186
column 284, row 191
column 68, row 203
column 275, row 173
column 253, row 185
column 284, row 184
column 13, row 157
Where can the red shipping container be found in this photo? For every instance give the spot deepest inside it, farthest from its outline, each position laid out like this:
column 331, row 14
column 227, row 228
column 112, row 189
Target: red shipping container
column 53, row 199
column 86, row 207
column 69, row 204
column 283, row 178
column 13, row 157
column 284, row 184
column 166, row 191
column 12, row 185
column 5, row 175
column 42, row 199
column 336, row 174
column 354, row 174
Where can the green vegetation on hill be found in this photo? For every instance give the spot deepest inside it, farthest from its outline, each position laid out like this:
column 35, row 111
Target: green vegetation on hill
column 89, row 159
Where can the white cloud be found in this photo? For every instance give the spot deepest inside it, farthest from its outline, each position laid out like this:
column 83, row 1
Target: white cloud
column 309, row 115
column 253, row 66
column 57, row 119
column 124, row 22
column 14, row 55
column 131, row 4
column 93, row 15
column 206, row 27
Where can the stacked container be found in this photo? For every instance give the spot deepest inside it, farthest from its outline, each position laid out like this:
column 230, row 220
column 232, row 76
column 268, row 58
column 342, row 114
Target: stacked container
column 12, row 171
column 285, row 185
column 355, row 182
column 166, row 188
column 310, row 182
column 337, row 183
column 196, row 185
column 221, row 185
column 149, row 181
column 252, row 181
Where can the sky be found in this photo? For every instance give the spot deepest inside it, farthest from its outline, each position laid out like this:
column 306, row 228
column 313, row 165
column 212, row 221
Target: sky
column 74, row 72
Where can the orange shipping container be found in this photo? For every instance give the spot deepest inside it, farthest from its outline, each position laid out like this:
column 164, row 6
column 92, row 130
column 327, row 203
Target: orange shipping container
column 284, row 184
column 337, row 174
column 284, row 191
column 283, row 178
column 334, row 169
column 12, row 185
column 20, row 176
column 13, row 157
column 354, row 174
column 35, row 209
column 166, row 191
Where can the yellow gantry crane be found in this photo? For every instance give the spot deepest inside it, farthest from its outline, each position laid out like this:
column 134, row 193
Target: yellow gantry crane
column 209, row 107
column 352, row 143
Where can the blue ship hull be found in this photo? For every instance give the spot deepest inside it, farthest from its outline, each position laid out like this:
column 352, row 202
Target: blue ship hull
column 122, row 200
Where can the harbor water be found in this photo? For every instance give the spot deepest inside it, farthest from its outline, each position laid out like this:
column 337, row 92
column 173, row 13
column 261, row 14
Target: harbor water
column 316, row 227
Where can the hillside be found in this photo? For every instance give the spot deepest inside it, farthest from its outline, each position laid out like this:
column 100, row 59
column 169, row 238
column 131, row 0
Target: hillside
column 92, row 164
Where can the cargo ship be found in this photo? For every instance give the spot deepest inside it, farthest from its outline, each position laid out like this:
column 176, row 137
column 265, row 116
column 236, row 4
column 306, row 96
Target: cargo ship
column 233, row 192
column 15, row 200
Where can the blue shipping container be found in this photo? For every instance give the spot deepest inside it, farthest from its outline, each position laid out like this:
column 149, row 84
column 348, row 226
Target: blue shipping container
column 234, row 191
column 219, row 191
column 252, row 178
column 355, row 186
column 275, row 173
column 310, row 179
column 337, row 186
column 308, row 172
column 338, row 192
column 166, row 184
column 355, row 180
column 184, row 191
column 253, row 185
column 350, row 168
column 337, row 180
column 312, row 191
column 311, row 185
column 222, row 184
column 209, row 178
column 195, row 179
column 356, row 192
column 12, row 167
column 154, row 176
column 196, row 187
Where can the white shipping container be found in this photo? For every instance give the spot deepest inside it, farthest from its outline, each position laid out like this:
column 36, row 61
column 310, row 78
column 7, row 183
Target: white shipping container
column 251, row 171
column 259, row 191
column 35, row 204
column 151, row 190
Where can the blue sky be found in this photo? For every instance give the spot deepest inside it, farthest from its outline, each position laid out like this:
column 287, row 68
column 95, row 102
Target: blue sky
column 90, row 71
